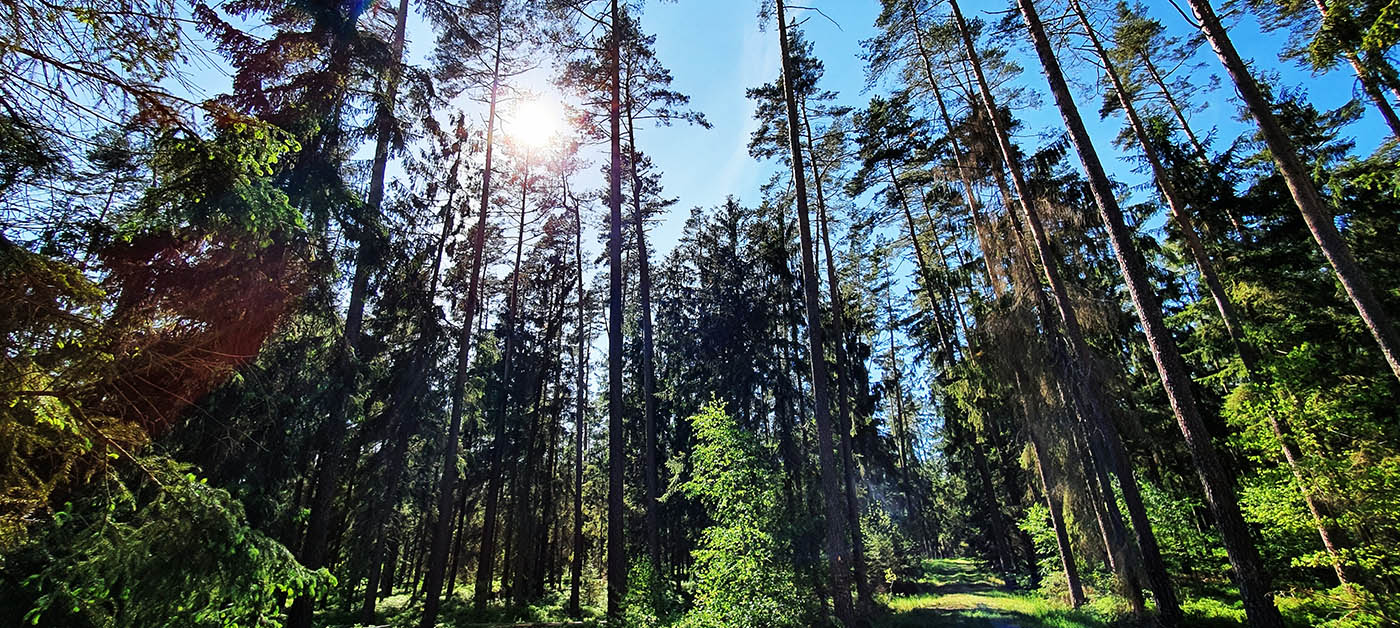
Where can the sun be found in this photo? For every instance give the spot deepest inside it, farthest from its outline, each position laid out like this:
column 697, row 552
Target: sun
column 535, row 123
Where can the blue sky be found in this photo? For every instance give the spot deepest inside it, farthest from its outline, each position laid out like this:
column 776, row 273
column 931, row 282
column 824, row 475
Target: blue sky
column 715, row 50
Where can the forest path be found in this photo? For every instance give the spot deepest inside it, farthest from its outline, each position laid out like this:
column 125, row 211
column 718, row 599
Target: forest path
column 960, row 593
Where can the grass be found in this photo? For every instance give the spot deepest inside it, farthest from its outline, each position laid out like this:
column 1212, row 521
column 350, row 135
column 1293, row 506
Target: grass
column 952, row 593
column 399, row 611
column 960, row 593
column 963, row 594
column 987, row 609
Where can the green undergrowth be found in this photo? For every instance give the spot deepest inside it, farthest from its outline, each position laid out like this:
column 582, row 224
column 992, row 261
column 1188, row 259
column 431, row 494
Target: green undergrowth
column 400, row 611
column 952, row 593
column 960, row 593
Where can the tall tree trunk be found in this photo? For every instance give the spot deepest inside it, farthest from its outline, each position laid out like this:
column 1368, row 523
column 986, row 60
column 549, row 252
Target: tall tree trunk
column 838, row 554
column 994, row 279
column 1215, row 286
column 458, row 539
column 969, row 195
column 942, row 324
column 1366, row 78
column 1001, row 532
column 397, row 462
column 545, row 565
column 1304, row 192
column 1052, row 497
column 313, row 550
column 437, row 561
column 617, row 543
column 576, row 564
column 1177, row 111
column 1253, row 581
column 648, row 347
column 1196, row 145
column 1178, row 208
column 1086, row 390
column 844, row 420
column 485, row 568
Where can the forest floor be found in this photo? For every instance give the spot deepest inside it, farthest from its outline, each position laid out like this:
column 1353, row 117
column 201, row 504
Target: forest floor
column 961, row 593
column 952, row 593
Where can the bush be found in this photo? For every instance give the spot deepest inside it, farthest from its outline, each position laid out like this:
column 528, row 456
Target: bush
column 743, row 573
column 170, row 552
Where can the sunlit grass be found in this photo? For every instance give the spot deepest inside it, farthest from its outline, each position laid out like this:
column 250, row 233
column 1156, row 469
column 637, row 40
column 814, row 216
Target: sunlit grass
column 997, row 609
column 941, row 572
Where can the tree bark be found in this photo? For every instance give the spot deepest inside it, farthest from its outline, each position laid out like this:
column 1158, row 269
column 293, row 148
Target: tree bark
column 576, row 564
column 1223, row 303
column 1086, row 390
column 449, row 472
column 313, row 550
column 1179, row 211
column 844, row 420
column 838, row 554
column 617, row 543
column 648, row 346
column 1366, row 78
column 1301, row 187
column 486, row 563
column 1053, row 503
column 1253, row 581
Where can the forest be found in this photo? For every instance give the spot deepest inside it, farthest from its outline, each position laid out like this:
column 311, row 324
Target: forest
column 1005, row 314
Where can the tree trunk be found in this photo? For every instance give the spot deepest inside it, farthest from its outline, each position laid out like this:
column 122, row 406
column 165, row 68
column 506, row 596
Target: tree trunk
column 1253, row 581
column 313, row 552
column 1054, row 503
column 941, row 322
column 1366, row 78
column 1304, row 192
column 576, row 564
column 1180, row 214
column 835, row 534
column 1222, row 301
column 994, row 279
column 617, row 543
column 1172, row 104
column 485, row 566
column 437, row 562
column 648, row 347
column 1196, row 146
column 844, row 419
column 1086, row 390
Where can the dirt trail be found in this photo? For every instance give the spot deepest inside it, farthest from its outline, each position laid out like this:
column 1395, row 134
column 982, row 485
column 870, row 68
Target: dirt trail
column 961, row 594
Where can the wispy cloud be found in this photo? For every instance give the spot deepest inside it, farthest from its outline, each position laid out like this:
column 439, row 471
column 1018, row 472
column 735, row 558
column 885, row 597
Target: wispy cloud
column 758, row 63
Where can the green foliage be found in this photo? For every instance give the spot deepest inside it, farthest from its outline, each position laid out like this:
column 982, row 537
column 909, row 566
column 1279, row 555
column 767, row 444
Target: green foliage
column 890, row 554
column 219, row 185
column 1185, row 547
column 50, row 346
column 1036, row 523
column 1384, row 32
column 163, row 550
column 1359, row 491
column 650, row 600
column 742, row 576
column 23, row 151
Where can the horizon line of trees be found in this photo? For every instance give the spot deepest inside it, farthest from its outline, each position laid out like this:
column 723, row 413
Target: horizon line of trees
column 250, row 379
